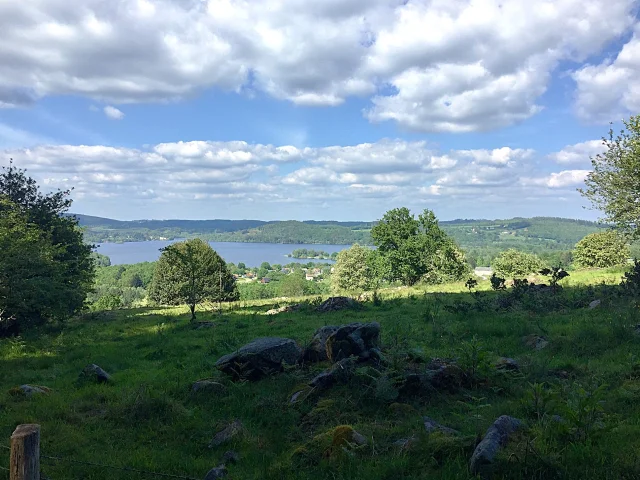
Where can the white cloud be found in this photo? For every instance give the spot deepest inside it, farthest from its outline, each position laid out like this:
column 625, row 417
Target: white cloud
column 563, row 179
column 437, row 65
column 113, row 113
column 578, row 154
column 610, row 90
column 383, row 174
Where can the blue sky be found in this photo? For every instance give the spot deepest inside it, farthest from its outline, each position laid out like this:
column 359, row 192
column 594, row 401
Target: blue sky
column 333, row 110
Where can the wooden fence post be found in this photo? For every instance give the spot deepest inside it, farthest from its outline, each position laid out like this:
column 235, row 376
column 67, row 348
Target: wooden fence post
column 25, row 453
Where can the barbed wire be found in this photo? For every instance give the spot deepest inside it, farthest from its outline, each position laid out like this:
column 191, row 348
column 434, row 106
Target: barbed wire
column 113, row 467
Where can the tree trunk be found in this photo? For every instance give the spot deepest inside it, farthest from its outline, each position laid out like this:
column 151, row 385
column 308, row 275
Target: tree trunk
column 192, row 307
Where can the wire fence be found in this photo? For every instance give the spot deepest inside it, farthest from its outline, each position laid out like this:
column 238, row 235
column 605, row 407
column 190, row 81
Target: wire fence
column 103, row 465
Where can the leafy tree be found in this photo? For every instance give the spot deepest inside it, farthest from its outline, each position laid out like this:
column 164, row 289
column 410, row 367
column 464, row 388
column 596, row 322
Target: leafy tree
column 409, row 247
column 352, row 271
column 293, row 285
column 101, row 260
column 601, row 250
column 614, row 184
column 513, row 263
column 265, row 266
column 65, row 260
column 191, row 272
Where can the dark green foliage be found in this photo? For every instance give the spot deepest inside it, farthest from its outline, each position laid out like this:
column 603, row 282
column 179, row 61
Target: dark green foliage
column 555, row 274
column 191, row 272
column 46, row 269
column 100, row 260
column 631, row 279
column 415, row 249
column 614, row 184
column 497, row 283
column 601, row 250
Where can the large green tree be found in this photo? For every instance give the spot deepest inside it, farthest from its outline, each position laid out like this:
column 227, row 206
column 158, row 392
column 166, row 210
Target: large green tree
column 614, row 184
column 65, row 260
column 191, row 272
column 353, row 270
column 601, row 250
column 413, row 249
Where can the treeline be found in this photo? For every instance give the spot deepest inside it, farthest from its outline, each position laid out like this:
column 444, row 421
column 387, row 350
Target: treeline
column 310, row 253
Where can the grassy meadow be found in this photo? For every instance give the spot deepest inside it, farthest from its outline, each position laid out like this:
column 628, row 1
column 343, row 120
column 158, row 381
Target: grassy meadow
column 147, row 417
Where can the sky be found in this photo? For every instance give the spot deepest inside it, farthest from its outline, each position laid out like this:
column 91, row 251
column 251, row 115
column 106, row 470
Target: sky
column 326, row 110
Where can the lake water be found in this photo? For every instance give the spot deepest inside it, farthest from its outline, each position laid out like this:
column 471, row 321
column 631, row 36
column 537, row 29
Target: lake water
column 252, row 254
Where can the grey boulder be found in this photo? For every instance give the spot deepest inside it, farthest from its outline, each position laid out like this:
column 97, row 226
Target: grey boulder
column 259, row 358
column 317, row 349
column 495, row 438
column 353, row 339
column 95, row 373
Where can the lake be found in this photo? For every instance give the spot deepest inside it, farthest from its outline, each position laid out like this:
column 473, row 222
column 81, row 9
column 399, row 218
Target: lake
column 252, row 254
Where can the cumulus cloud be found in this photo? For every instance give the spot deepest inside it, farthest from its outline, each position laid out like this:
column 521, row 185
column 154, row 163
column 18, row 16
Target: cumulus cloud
column 578, row 154
column 113, row 113
column 231, row 176
column 563, row 179
column 610, row 90
column 453, row 66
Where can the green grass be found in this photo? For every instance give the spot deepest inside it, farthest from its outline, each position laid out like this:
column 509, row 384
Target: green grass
column 148, row 418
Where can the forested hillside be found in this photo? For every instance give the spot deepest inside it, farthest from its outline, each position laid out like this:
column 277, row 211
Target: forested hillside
column 481, row 239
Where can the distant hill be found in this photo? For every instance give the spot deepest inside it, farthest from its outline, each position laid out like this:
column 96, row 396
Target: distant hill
column 536, row 234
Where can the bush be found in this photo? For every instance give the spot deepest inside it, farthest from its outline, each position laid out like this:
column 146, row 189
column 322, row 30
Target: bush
column 513, row 263
column 601, row 250
column 353, row 270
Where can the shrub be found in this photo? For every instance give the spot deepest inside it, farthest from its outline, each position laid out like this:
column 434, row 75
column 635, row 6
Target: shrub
column 513, row 263
column 601, row 250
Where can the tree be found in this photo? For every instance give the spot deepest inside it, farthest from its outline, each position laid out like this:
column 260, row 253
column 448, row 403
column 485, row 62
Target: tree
column 191, row 272
column 352, row 271
column 614, row 184
column 513, row 263
column 601, row 250
column 408, row 246
column 65, row 259
column 293, row 285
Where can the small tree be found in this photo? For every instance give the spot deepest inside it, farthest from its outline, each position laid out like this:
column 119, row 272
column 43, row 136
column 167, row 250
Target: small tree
column 352, row 271
column 513, row 263
column 191, row 272
column 601, row 250
column 614, row 184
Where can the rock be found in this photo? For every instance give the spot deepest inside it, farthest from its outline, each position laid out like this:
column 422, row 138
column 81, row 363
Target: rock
column 405, row 443
column 508, row 364
column 594, row 304
column 208, row 386
column 283, row 309
column 231, row 456
column 30, row 390
column 535, row 341
column 95, row 373
column 299, row 395
column 259, row 358
column 217, row 472
column 445, row 374
column 317, row 350
column 226, row 434
column 334, row 304
column 340, row 372
column 432, row 426
column 353, row 339
column 496, row 437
